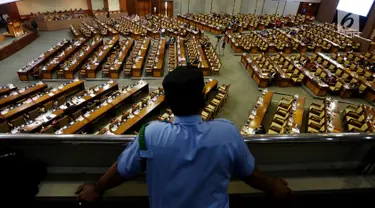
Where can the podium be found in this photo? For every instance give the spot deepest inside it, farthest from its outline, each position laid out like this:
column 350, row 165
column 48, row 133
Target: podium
column 15, row 29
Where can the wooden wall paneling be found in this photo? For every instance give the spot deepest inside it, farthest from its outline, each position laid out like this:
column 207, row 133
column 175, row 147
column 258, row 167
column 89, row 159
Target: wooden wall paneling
column 157, row 4
column 106, row 5
column 143, row 7
column 131, row 6
column 11, row 9
column 327, row 10
column 370, row 23
column 123, row 6
column 89, row 7
column 170, row 8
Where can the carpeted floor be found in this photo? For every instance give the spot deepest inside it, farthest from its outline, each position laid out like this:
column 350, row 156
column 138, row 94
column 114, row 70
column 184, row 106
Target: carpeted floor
column 243, row 91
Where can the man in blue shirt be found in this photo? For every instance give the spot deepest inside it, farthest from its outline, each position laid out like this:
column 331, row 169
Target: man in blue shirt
column 189, row 162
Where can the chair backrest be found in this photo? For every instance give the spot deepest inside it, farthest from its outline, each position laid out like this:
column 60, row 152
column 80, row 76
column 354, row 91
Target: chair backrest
column 48, row 106
column 63, row 121
column 61, row 100
column 76, row 114
column 34, row 113
column 48, row 130
column 18, row 121
column 4, row 127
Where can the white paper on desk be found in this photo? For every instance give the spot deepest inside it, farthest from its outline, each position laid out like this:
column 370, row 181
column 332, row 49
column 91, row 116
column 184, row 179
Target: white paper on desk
column 114, row 128
column 50, row 94
column 80, row 118
column 14, row 131
column 4, row 111
column 21, row 90
column 81, row 100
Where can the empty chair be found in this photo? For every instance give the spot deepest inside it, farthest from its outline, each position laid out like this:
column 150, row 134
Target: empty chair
column 61, row 100
column 91, row 107
column 33, row 114
column 76, row 114
column 63, row 121
column 4, row 127
column 48, row 130
column 48, row 106
column 18, row 122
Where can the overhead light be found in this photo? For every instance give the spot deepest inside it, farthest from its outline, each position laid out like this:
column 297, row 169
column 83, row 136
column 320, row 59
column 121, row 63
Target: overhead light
column 310, row 4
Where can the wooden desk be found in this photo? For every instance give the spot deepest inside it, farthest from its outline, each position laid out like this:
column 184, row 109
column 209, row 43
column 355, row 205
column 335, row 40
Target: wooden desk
column 25, row 72
column 42, row 120
column 17, row 45
column 335, row 47
column 114, row 71
column 334, row 114
column 181, row 52
column 73, row 67
column 94, row 66
column 138, row 66
column 203, row 62
column 256, row 122
column 298, row 116
column 157, row 70
column 122, row 128
column 283, row 79
column 48, row 68
column 103, row 109
column 22, row 93
column 211, row 85
column 314, row 83
column 64, row 90
column 5, row 89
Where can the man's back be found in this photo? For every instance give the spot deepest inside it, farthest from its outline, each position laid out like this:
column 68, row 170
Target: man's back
column 193, row 161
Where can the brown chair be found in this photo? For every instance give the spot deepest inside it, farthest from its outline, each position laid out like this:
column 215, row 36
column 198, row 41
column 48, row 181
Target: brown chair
column 18, row 121
column 61, row 100
column 48, row 130
column 33, row 114
column 4, row 127
column 76, row 114
column 63, row 121
column 48, row 106
column 91, row 107
column 60, row 74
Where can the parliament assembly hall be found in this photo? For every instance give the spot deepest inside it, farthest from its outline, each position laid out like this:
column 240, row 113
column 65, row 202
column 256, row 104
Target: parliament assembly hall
column 80, row 79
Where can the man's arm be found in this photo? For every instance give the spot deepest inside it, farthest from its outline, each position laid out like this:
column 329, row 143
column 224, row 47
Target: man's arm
column 258, row 180
column 93, row 191
column 128, row 165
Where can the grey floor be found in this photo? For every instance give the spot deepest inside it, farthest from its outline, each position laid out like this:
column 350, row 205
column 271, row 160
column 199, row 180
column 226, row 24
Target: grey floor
column 243, row 91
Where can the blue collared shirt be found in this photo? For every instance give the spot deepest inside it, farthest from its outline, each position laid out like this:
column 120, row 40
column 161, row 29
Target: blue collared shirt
column 191, row 163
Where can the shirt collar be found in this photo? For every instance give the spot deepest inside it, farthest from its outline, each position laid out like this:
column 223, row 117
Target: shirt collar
column 187, row 119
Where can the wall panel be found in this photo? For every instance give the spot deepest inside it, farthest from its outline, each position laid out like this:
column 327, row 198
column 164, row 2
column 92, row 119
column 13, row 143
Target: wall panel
column 97, row 4
column 113, row 5
column 27, row 6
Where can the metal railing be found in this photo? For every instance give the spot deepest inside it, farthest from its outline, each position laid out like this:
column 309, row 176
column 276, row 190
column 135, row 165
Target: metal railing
column 258, row 138
column 343, row 151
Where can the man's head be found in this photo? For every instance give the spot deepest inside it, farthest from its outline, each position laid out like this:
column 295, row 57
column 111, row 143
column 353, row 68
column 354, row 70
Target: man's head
column 184, row 91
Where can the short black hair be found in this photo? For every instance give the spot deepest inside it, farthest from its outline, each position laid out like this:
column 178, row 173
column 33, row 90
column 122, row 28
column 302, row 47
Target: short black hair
column 184, row 90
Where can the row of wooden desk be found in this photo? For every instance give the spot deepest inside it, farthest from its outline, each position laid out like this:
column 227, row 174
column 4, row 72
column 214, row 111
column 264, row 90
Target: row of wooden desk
column 140, row 59
column 25, row 72
column 5, row 89
column 20, row 94
column 201, row 25
column 75, row 103
column 116, row 67
column 92, row 67
column 128, row 124
column 39, row 101
column 257, row 114
column 50, row 67
column 80, row 56
column 90, row 118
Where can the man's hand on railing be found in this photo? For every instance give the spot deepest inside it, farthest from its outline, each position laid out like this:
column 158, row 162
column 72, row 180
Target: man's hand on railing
column 89, row 192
